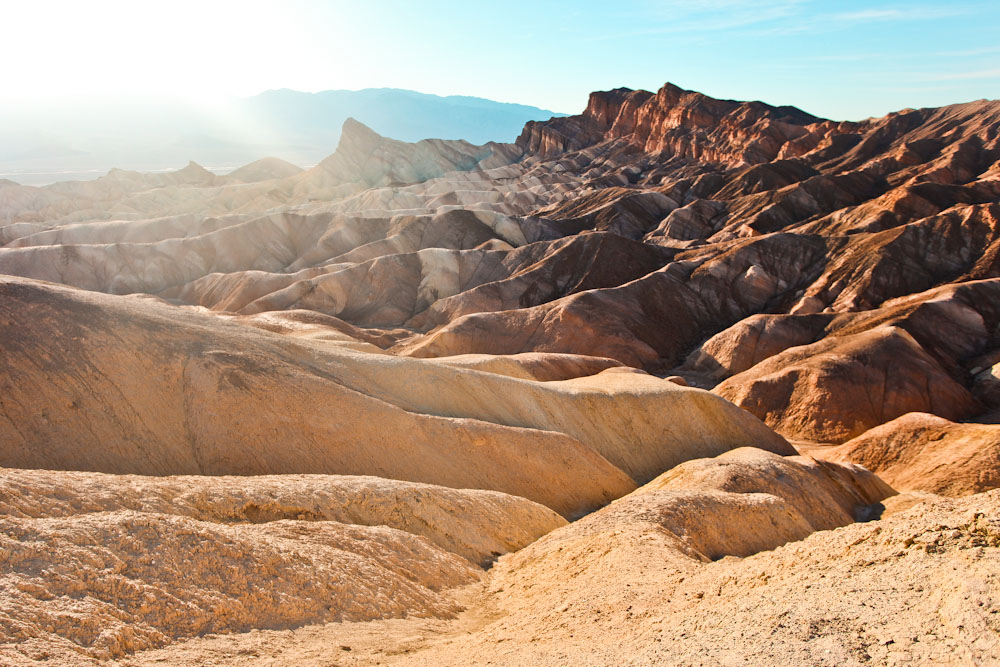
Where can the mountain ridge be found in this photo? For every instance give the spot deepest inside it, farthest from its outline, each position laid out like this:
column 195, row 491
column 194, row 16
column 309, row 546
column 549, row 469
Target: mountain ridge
column 301, row 128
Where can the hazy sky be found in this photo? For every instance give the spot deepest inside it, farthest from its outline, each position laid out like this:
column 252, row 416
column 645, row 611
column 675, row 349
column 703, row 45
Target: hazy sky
column 836, row 59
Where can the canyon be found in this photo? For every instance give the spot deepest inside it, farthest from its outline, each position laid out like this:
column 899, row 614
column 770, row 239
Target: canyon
column 674, row 380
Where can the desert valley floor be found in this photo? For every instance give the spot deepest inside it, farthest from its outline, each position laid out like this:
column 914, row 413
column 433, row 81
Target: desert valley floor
column 677, row 380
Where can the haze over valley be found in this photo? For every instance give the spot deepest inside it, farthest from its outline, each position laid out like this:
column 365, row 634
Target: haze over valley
column 88, row 136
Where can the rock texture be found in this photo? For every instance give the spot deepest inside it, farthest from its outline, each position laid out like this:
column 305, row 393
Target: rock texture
column 100, row 566
column 124, row 581
column 633, row 582
column 476, row 525
column 920, row 587
column 147, row 561
column 921, row 353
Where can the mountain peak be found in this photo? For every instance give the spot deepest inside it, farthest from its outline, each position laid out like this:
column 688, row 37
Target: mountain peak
column 354, row 134
column 192, row 167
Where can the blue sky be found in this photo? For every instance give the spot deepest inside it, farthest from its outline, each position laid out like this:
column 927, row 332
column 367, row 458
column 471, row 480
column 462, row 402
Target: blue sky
column 843, row 60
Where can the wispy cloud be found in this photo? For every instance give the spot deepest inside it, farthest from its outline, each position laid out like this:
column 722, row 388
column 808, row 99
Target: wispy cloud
column 842, row 20
column 962, row 76
column 761, row 17
column 866, row 15
column 901, row 14
column 676, row 17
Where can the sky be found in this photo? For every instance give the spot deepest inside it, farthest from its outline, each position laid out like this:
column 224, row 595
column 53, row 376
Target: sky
column 841, row 60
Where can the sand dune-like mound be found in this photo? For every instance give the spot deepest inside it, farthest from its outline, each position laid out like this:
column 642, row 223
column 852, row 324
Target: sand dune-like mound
column 826, row 495
column 736, row 504
column 917, row 587
column 476, row 525
column 923, row 452
column 233, row 399
column 267, row 168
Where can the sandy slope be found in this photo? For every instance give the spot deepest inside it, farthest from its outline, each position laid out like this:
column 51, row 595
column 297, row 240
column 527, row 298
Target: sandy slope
column 132, row 385
column 97, row 565
column 918, row 587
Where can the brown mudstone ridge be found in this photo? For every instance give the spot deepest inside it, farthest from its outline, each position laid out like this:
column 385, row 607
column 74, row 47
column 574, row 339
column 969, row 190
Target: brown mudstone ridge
column 640, row 387
column 921, row 353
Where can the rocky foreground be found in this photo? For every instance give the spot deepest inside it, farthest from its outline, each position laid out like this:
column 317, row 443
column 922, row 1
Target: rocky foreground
column 454, row 404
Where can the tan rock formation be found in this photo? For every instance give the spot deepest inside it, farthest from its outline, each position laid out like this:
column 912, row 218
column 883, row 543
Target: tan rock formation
column 100, row 566
column 919, row 587
column 122, row 581
column 291, row 556
column 476, row 525
column 233, row 399
column 923, row 452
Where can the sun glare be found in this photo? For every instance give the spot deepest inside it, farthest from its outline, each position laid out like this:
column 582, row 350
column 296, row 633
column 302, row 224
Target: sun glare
column 197, row 51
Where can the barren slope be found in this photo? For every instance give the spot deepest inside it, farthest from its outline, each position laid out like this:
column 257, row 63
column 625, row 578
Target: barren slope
column 630, row 584
column 99, row 566
column 133, row 385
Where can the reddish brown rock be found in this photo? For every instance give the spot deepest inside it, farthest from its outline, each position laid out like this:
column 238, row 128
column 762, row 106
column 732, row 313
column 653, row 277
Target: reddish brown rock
column 673, row 123
column 838, row 388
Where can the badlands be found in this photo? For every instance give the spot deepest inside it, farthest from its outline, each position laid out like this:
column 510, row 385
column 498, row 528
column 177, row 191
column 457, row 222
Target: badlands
column 677, row 380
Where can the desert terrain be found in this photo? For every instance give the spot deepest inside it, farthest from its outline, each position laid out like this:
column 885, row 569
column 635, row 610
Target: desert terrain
column 676, row 380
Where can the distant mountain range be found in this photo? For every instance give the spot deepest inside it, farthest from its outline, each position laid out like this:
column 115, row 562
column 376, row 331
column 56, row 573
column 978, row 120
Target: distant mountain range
column 85, row 139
